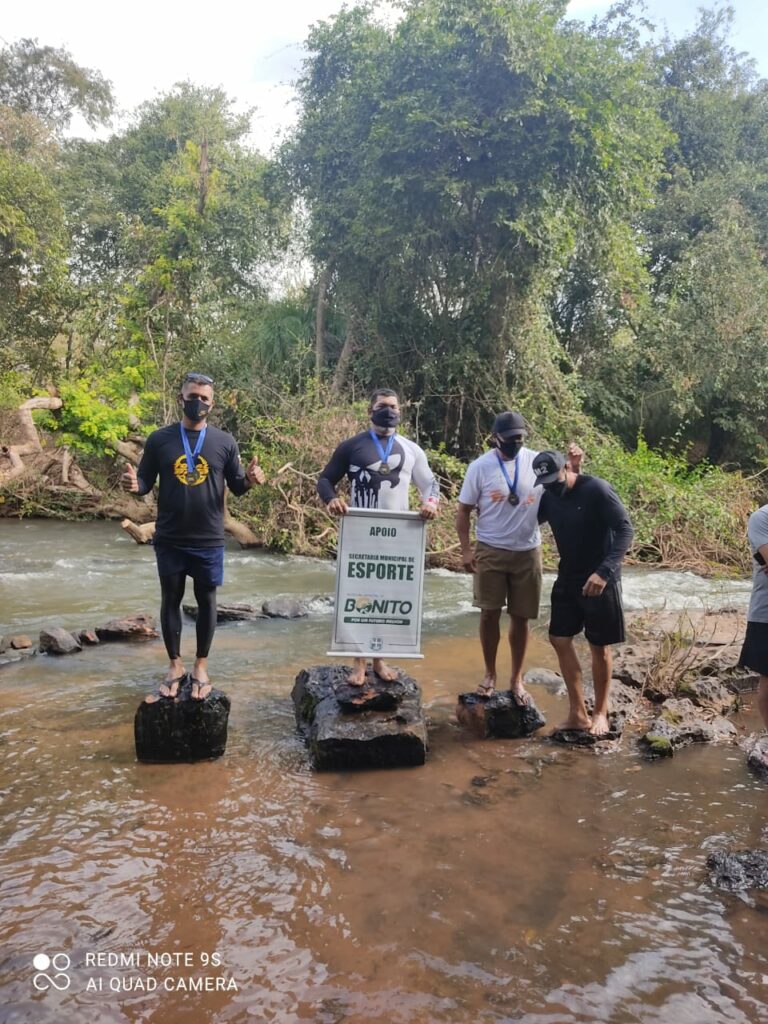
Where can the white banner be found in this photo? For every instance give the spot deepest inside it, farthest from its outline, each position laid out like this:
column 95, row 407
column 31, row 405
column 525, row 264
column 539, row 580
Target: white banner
column 379, row 584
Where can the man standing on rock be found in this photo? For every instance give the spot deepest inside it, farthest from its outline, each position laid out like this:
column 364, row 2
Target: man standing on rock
column 380, row 465
column 593, row 533
column 506, row 561
column 754, row 653
column 193, row 462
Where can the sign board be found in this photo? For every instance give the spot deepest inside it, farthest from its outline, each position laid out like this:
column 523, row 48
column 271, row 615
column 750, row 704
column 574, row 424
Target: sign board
column 379, row 584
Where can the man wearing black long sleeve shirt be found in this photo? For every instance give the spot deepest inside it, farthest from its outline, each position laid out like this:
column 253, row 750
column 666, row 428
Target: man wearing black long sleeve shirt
column 193, row 462
column 593, row 533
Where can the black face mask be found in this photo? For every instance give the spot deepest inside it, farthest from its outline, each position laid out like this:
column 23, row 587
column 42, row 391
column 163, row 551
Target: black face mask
column 196, row 409
column 511, row 448
column 385, row 417
column 557, row 488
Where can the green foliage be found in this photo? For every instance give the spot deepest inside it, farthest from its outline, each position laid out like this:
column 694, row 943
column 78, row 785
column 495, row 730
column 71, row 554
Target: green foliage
column 46, row 82
column 683, row 515
column 102, row 406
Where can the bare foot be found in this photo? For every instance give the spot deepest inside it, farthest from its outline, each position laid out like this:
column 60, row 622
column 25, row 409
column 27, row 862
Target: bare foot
column 577, row 722
column 383, row 671
column 488, row 685
column 357, row 676
column 600, row 726
column 519, row 694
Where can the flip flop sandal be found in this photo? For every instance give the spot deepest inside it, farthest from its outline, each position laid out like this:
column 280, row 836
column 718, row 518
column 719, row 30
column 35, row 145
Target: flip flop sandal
column 197, row 683
column 168, row 684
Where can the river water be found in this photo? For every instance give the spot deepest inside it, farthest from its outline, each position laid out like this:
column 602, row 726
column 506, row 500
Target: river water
column 504, row 881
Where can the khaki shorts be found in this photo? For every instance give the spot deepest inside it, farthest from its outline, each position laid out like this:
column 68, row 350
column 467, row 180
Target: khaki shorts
column 511, row 578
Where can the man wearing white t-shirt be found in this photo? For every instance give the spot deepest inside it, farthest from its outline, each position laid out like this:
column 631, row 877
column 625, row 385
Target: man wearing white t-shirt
column 506, row 561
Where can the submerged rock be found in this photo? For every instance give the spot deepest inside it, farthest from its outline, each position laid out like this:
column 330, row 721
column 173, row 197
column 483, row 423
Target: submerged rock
column 553, row 682
column 56, row 640
column 284, row 608
column 757, row 755
column 15, row 642
column 230, row 612
column 380, row 725
column 132, row 627
column 740, row 870
column 182, row 729
column 679, row 723
column 499, row 715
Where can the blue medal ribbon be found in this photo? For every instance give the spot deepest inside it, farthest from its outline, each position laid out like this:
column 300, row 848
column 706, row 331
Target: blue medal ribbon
column 384, row 453
column 512, row 484
column 192, row 455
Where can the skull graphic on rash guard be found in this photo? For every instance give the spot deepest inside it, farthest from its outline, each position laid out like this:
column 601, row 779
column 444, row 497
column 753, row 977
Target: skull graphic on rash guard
column 359, row 458
column 366, row 481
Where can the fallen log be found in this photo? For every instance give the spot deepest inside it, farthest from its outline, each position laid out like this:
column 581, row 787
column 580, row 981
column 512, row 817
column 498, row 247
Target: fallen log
column 141, row 533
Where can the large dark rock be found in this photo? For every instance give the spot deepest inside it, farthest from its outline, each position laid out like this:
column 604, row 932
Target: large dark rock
column 56, row 640
column 384, row 728
column 132, row 627
column 182, row 729
column 499, row 715
column 757, row 755
column 679, row 723
column 740, row 870
column 230, row 612
column 284, row 608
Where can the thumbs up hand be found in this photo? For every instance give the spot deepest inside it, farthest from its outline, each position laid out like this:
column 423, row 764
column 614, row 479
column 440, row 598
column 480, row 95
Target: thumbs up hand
column 129, row 481
column 254, row 472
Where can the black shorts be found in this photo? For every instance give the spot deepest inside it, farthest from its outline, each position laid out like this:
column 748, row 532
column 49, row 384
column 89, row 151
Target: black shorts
column 206, row 565
column 754, row 653
column 601, row 618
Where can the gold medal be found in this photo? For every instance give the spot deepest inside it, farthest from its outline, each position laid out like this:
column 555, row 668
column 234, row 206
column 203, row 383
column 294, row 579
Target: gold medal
column 384, row 468
column 192, row 477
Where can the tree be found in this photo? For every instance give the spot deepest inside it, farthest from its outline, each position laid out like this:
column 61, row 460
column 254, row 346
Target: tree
column 174, row 234
column 40, row 89
column 449, row 165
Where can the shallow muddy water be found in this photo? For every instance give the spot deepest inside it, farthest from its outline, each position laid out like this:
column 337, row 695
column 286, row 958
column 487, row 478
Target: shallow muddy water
column 504, row 881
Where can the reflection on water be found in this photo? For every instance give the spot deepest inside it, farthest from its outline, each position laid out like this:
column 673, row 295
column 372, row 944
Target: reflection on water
column 502, row 882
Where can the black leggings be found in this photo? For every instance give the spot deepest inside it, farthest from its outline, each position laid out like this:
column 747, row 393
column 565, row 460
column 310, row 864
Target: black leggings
column 172, row 592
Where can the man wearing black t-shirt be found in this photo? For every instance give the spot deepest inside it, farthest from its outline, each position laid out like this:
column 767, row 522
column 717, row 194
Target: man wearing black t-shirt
column 593, row 533
column 193, row 462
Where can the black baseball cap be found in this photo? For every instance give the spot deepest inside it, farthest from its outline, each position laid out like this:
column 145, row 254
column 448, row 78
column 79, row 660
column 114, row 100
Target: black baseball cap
column 509, row 423
column 547, row 466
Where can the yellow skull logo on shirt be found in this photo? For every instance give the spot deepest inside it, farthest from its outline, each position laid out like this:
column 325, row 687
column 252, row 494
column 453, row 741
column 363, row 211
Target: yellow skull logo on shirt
column 198, row 476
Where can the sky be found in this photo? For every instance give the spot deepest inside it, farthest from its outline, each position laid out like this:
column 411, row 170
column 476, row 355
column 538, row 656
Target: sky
column 253, row 51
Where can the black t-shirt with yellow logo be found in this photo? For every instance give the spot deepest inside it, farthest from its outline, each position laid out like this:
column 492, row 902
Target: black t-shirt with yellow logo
column 190, row 506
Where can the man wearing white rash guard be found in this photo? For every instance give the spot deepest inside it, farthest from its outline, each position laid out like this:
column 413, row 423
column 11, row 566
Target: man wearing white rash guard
column 380, row 465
